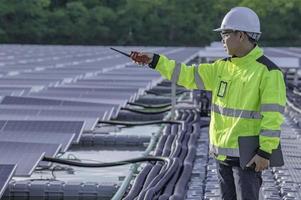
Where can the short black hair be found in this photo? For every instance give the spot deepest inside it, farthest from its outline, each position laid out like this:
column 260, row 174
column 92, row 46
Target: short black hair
column 252, row 40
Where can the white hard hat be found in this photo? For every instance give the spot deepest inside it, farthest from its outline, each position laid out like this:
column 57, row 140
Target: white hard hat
column 241, row 19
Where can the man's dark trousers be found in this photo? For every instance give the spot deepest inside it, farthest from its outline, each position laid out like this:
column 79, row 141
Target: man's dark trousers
column 237, row 183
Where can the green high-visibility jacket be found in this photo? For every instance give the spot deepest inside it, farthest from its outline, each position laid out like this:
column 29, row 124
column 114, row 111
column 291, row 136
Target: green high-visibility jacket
column 248, row 98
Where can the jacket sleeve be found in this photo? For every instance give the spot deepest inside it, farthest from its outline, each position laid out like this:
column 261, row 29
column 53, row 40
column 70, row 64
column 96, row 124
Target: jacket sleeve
column 273, row 99
column 191, row 77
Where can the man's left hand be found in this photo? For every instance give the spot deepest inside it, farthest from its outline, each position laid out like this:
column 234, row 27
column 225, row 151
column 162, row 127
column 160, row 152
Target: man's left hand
column 260, row 163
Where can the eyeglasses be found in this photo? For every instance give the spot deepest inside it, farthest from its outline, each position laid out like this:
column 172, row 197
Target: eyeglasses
column 226, row 33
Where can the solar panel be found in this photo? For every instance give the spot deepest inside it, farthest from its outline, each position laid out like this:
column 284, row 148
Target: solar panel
column 30, row 147
column 88, row 110
column 29, row 101
column 9, row 111
column 60, row 112
column 92, row 89
column 64, row 139
column 45, row 126
column 71, row 113
column 89, row 100
column 13, row 100
column 113, row 83
column 2, row 123
column 124, row 77
column 6, row 173
column 26, row 162
column 88, row 123
column 93, row 95
column 26, row 155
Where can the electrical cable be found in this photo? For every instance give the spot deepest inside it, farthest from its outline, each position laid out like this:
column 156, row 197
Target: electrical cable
column 147, row 112
column 149, row 106
column 127, row 123
column 109, row 164
column 165, row 94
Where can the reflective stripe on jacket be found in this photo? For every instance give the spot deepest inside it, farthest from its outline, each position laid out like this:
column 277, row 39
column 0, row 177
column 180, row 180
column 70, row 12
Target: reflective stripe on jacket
column 248, row 98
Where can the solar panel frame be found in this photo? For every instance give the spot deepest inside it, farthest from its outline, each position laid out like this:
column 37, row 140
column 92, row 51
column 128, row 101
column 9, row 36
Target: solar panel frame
column 6, row 173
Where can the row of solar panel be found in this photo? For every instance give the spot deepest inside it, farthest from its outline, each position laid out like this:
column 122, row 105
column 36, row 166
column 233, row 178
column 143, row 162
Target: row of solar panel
column 30, row 128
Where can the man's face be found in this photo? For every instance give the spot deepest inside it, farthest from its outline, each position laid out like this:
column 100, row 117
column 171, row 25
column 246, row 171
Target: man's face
column 231, row 41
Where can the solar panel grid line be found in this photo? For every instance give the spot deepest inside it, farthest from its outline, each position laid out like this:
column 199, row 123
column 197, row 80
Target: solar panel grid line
column 6, row 173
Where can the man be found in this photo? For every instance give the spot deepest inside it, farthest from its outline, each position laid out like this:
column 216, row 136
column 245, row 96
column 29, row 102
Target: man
column 248, row 99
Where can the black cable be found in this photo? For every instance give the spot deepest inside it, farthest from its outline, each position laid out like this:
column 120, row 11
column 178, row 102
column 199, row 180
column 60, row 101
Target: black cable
column 126, row 123
column 149, row 106
column 110, row 164
column 165, row 94
column 147, row 112
column 205, row 125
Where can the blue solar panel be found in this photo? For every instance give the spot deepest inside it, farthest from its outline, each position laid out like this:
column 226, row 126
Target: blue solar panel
column 26, row 155
column 64, row 139
column 75, row 127
column 60, row 112
column 29, row 101
column 6, row 172
column 12, row 100
column 26, row 162
column 88, row 123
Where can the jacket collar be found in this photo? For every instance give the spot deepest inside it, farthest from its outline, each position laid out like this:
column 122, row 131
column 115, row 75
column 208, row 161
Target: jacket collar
column 255, row 53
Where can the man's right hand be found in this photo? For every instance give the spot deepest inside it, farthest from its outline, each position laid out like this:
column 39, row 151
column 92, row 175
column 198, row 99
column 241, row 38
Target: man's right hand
column 142, row 58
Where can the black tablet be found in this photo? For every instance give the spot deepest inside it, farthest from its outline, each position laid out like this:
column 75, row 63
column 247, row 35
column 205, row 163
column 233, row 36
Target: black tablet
column 248, row 146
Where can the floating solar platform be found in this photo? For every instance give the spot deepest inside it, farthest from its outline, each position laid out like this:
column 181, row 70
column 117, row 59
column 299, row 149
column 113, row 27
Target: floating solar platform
column 58, row 81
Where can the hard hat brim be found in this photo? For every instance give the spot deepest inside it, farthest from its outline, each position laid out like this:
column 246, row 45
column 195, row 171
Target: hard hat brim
column 218, row 29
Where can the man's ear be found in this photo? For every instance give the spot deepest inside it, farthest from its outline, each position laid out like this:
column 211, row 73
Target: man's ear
column 242, row 36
